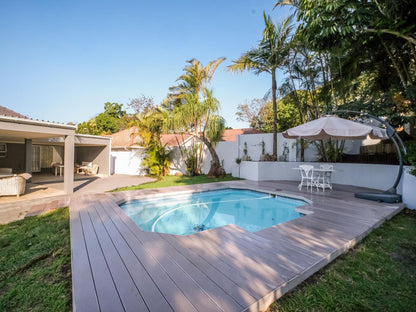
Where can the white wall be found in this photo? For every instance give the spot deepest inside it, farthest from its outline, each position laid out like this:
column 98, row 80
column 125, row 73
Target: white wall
column 226, row 151
column 374, row 176
column 254, row 147
column 127, row 162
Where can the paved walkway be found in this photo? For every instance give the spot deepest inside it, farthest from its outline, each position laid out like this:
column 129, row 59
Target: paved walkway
column 46, row 192
column 118, row 267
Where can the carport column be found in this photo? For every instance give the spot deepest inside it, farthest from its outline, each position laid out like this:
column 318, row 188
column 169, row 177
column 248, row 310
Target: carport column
column 69, row 164
column 29, row 156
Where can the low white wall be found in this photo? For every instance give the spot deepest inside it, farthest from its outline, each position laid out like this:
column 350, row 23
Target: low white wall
column 379, row 177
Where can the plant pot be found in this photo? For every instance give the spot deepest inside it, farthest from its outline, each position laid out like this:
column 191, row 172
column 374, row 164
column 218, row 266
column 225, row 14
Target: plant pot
column 409, row 190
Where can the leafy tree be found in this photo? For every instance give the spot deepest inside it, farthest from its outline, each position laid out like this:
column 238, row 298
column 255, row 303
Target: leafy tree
column 267, row 58
column 110, row 121
column 150, row 127
column 366, row 39
column 250, row 112
column 193, row 109
column 259, row 113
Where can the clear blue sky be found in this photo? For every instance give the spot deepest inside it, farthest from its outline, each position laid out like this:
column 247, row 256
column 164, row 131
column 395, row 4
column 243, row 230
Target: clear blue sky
column 62, row 60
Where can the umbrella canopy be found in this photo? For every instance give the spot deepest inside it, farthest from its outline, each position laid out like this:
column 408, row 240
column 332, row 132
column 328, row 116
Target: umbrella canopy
column 336, row 128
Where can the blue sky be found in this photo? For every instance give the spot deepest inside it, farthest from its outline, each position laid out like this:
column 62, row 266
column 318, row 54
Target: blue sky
column 62, row 60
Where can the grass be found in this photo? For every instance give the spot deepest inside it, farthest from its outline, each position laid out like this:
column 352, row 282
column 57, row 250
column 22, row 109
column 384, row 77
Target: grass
column 176, row 181
column 35, row 264
column 377, row 275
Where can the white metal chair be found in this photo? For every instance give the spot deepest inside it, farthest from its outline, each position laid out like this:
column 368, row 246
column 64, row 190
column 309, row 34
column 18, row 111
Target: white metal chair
column 324, row 178
column 307, row 178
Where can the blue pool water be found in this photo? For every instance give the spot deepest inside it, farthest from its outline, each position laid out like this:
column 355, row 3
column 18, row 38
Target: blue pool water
column 191, row 213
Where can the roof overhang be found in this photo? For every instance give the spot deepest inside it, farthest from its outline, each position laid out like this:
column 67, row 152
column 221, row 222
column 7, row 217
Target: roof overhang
column 16, row 130
column 13, row 129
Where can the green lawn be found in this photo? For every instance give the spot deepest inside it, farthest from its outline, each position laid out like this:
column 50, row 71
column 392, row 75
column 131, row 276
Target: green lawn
column 377, row 275
column 35, row 264
column 175, row 181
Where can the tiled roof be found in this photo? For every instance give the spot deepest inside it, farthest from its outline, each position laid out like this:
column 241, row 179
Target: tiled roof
column 231, row 134
column 8, row 112
column 125, row 138
column 172, row 139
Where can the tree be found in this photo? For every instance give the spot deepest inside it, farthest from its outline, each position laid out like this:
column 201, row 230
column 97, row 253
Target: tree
column 110, row 121
column 250, row 112
column 143, row 104
column 150, row 126
column 193, row 109
column 259, row 113
column 268, row 57
column 371, row 46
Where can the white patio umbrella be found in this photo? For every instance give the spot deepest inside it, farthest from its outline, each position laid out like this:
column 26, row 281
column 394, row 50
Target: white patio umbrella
column 332, row 127
column 336, row 128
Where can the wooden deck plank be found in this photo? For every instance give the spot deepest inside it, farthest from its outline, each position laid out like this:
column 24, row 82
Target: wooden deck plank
column 213, row 247
column 206, row 261
column 164, row 282
column 128, row 291
column 83, row 288
column 197, row 263
column 154, row 241
column 292, row 258
column 107, row 294
column 149, row 290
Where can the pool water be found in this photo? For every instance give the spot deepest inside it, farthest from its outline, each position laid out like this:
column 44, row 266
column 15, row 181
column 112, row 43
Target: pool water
column 191, row 213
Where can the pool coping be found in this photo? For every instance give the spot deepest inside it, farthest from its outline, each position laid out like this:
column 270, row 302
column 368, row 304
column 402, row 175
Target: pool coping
column 270, row 262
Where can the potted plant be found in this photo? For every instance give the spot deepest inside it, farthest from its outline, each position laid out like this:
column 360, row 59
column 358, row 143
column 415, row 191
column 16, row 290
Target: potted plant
column 245, row 156
column 263, row 151
column 238, row 162
column 409, row 178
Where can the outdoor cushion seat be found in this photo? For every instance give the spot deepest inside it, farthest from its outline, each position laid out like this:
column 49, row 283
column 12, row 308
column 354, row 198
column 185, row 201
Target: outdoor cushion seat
column 92, row 170
column 14, row 185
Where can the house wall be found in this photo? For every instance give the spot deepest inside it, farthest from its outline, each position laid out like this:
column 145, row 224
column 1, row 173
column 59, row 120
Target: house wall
column 127, row 161
column 95, row 154
column 15, row 158
column 226, row 151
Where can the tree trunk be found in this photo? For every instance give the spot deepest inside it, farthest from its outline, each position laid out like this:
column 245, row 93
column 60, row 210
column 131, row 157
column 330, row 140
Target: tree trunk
column 274, row 88
column 216, row 169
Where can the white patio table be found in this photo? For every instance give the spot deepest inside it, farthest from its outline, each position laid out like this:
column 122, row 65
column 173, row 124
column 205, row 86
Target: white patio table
column 322, row 178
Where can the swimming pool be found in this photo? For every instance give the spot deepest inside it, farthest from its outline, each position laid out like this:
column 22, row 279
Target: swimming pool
column 191, row 213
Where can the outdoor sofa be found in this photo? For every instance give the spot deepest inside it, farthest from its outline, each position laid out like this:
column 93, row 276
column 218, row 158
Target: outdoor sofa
column 14, row 185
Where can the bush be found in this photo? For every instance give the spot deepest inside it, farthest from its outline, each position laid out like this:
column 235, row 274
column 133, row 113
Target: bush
column 411, row 157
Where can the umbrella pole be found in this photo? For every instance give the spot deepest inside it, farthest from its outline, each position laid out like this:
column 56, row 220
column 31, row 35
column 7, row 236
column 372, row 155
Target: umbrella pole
column 389, row 196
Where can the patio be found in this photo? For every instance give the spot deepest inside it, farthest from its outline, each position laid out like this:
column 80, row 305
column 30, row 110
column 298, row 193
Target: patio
column 223, row 269
column 46, row 189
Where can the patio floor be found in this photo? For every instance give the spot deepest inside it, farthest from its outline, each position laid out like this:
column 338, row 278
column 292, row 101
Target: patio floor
column 47, row 189
column 118, row 267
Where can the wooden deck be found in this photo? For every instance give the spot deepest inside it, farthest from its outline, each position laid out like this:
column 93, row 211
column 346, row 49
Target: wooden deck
column 118, row 267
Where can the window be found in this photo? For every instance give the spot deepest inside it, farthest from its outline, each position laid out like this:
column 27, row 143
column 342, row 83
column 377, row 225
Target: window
column 3, row 150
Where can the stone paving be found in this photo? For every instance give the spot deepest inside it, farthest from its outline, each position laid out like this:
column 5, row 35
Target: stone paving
column 46, row 193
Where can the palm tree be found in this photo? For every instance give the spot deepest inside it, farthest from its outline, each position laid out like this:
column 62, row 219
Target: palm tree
column 194, row 109
column 268, row 57
column 195, row 80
